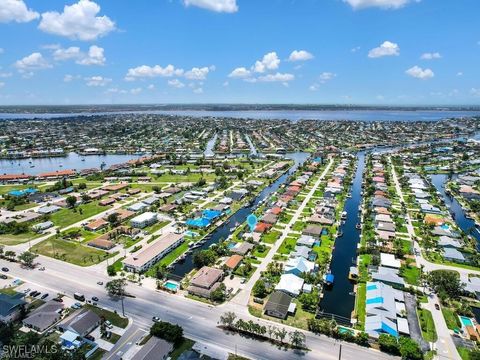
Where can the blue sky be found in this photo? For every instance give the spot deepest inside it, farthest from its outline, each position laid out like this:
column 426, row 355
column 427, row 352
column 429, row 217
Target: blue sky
column 240, row 51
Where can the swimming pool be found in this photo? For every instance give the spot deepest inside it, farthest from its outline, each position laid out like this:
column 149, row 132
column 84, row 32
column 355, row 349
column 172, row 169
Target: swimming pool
column 190, row 233
column 445, row 227
column 171, row 285
column 198, row 222
column 466, row 321
column 22, row 192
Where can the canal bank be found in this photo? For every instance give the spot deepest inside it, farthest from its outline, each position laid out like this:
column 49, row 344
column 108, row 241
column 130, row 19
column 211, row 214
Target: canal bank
column 224, row 230
column 339, row 299
column 458, row 214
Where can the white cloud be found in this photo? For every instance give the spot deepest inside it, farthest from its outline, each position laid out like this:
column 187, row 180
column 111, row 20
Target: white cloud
column 459, row 73
column 5, row 75
column 16, row 10
column 314, row 87
column 270, row 61
column 383, row 4
column 151, row 87
column 95, row 56
column 386, row 49
column 78, row 21
column 2, row 84
column 419, row 73
column 277, row 77
column 228, row 6
column 2, row 51
column 300, row 55
column 355, row 49
column 475, row 92
column 34, row 61
column 135, row 91
column 240, row 73
column 97, row 81
column 145, row 71
column 61, row 54
column 197, row 73
column 198, row 91
column 431, row 56
column 326, row 76
column 68, row 78
column 176, row 83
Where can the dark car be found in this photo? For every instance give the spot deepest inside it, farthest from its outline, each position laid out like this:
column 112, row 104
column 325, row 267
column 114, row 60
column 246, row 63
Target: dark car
column 44, row 296
column 155, row 319
column 57, row 299
column 5, row 269
column 36, row 293
column 90, row 337
column 94, row 298
column 437, row 306
column 32, row 292
column 4, row 277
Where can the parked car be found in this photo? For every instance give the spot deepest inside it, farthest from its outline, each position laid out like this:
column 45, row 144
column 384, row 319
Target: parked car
column 99, row 282
column 58, row 299
column 94, row 298
column 89, row 337
column 5, row 269
column 32, row 292
column 437, row 307
column 26, row 290
column 3, row 276
column 155, row 319
column 44, row 296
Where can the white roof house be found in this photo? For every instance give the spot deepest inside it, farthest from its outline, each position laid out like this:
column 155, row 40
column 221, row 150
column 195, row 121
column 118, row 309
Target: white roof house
column 139, row 206
column 389, row 260
column 306, row 240
column 453, row 254
column 144, row 219
column 291, row 284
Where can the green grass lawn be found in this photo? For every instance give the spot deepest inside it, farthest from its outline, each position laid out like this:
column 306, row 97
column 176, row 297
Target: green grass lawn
column 271, row 237
column 261, row 254
column 10, row 240
column 427, row 325
column 287, row 246
column 25, row 206
column 452, row 320
column 115, row 319
column 360, row 303
column 299, row 226
column 411, row 275
column 155, row 227
column 169, row 258
column 70, row 251
column 180, row 349
column 113, row 338
column 8, row 291
column 66, row 217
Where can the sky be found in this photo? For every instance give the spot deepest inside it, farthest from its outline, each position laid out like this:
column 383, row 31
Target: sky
column 385, row 52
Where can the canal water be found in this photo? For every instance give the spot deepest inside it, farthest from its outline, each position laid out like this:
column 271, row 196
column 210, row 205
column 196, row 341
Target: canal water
column 224, row 230
column 210, row 145
column 467, row 225
column 72, row 161
column 339, row 299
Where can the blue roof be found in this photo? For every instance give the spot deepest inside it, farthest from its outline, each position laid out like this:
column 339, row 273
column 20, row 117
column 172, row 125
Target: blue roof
column 372, row 287
column 377, row 300
column 198, row 222
column 329, row 278
column 22, row 192
column 389, row 330
column 211, row 214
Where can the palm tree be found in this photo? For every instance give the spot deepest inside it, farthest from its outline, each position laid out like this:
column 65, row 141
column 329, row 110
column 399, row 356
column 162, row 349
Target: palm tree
column 281, row 334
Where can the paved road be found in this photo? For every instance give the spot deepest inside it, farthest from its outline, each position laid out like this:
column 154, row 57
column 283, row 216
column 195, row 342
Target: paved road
column 244, row 296
column 198, row 319
column 445, row 347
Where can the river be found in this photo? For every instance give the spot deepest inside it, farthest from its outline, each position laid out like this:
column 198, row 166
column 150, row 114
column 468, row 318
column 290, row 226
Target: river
column 224, row 230
column 72, row 161
column 467, row 225
column 294, row 115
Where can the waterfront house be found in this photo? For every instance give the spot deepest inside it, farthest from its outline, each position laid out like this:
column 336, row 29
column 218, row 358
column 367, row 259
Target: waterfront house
column 205, row 281
column 233, row 261
column 151, row 254
column 388, row 276
column 306, row 240
column 290, row 284
column 11, row 306
column 446, row 241
column 278, row 304
column 313, row 230
column 388, row 260
column 242, row 248
column 298, row 266
column 453, row 254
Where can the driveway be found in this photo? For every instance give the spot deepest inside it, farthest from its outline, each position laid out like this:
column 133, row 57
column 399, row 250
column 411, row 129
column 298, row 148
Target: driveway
column 415, row 332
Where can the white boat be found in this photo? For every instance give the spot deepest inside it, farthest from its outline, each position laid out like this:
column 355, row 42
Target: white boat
column 344, row 215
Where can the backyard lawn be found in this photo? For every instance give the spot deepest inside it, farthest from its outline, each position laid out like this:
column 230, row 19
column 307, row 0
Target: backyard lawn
column 70, row 251
column 271, row 237
column 66, row 217
column 452, row 320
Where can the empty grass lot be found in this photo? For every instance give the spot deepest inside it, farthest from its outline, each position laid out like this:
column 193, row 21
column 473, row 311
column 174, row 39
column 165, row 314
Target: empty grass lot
column 10, row 240
column 66, row 217
column 70, row 251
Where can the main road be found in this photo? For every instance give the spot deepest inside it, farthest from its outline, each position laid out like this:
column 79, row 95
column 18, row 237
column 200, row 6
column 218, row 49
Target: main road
column 198, row 320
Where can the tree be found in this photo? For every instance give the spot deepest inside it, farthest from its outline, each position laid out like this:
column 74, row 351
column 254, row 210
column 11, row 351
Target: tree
column 361, row 339
column 27, row 258
column 297, row 338
column 218, row 295
column 10, row 255
column 82, row 186
column 228, row 318
column 116, row 288
column 204, row 258
column 71, row 201
column 157, row 189
column 409, row 349
column 113, row 219
column 309, row 301
column 389, row 344
column 259, row 290
column 445, row 283
column 167, row 331
column 281, row 334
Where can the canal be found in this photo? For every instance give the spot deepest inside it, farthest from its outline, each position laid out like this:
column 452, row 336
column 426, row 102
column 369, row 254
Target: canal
column 210, row 146
column 339, row 299
column 458, row 214
column 224, row 230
